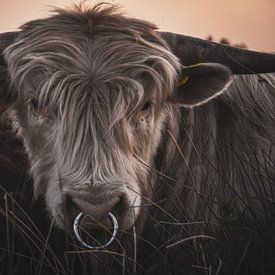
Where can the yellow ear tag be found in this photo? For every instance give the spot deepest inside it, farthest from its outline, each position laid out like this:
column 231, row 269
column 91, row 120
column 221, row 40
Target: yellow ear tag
column 183, row 80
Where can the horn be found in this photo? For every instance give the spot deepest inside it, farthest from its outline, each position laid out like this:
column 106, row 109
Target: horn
column 192, row 50
column 6, row 39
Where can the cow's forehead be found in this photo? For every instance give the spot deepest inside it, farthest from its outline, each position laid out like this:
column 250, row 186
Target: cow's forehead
column 89, row 56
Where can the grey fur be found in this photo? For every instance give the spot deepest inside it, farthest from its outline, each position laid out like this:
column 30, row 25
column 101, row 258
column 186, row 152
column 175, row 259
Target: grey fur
column 91, row 72
column 90, row 80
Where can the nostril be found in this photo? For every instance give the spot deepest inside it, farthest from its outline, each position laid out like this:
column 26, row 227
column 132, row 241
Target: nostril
column 118, row 209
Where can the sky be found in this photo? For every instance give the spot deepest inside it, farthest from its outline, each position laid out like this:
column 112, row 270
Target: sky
column 248, row 21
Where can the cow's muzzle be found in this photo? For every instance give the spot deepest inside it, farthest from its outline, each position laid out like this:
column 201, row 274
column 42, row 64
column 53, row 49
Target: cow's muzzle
column 95, row 223
column 95, row 227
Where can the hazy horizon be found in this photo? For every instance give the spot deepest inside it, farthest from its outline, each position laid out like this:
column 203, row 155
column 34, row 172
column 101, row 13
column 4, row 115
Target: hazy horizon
column 241, row 21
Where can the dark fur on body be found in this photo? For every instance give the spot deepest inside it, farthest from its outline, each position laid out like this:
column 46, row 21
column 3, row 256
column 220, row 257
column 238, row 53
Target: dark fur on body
column 215, row 170
column 228, row 187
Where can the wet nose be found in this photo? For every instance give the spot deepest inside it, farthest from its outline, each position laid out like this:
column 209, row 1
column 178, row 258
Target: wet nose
column 97, row 212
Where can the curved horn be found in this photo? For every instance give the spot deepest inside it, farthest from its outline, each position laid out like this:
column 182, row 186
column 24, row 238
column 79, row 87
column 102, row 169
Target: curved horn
column 6, row 39
column 192, row 50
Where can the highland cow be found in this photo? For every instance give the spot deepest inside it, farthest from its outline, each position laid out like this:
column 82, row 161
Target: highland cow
column 160, row 130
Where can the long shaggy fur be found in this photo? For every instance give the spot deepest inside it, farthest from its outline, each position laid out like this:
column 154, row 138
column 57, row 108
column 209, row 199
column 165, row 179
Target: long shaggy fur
column 204, row 176
column 216, row 181
column 89, row 81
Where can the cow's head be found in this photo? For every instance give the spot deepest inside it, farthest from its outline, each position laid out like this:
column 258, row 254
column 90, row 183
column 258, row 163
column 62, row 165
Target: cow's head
column 90, row 91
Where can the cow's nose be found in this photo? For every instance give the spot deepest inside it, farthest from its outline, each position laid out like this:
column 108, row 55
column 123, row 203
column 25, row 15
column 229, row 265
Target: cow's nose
column 95, row 227
column 97, row 212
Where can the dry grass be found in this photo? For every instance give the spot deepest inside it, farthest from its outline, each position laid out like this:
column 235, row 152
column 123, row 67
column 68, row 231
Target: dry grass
column 238, row 240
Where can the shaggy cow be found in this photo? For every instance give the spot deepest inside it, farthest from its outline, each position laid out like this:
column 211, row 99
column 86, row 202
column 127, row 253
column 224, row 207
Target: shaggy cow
column 105, row 112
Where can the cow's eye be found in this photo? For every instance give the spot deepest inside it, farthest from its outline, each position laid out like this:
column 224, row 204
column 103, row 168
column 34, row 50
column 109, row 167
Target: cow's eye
column 34, row 106
column 34, row 103
column 146, row 106
column 145, row 110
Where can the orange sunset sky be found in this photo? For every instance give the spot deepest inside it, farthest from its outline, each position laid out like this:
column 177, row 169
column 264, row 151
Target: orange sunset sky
column 248, row 21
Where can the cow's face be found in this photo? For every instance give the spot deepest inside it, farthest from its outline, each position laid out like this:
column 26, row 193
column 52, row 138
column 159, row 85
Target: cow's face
column 93, row 91
column 90, row 108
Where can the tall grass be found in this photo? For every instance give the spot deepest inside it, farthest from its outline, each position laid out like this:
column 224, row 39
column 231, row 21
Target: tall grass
column 219, row 218
column 170, row 244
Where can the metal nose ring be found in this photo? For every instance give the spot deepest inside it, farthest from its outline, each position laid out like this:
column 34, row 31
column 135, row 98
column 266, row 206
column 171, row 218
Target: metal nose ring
column 90, row 246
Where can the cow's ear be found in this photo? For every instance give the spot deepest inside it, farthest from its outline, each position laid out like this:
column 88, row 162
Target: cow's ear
column 201, row 82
